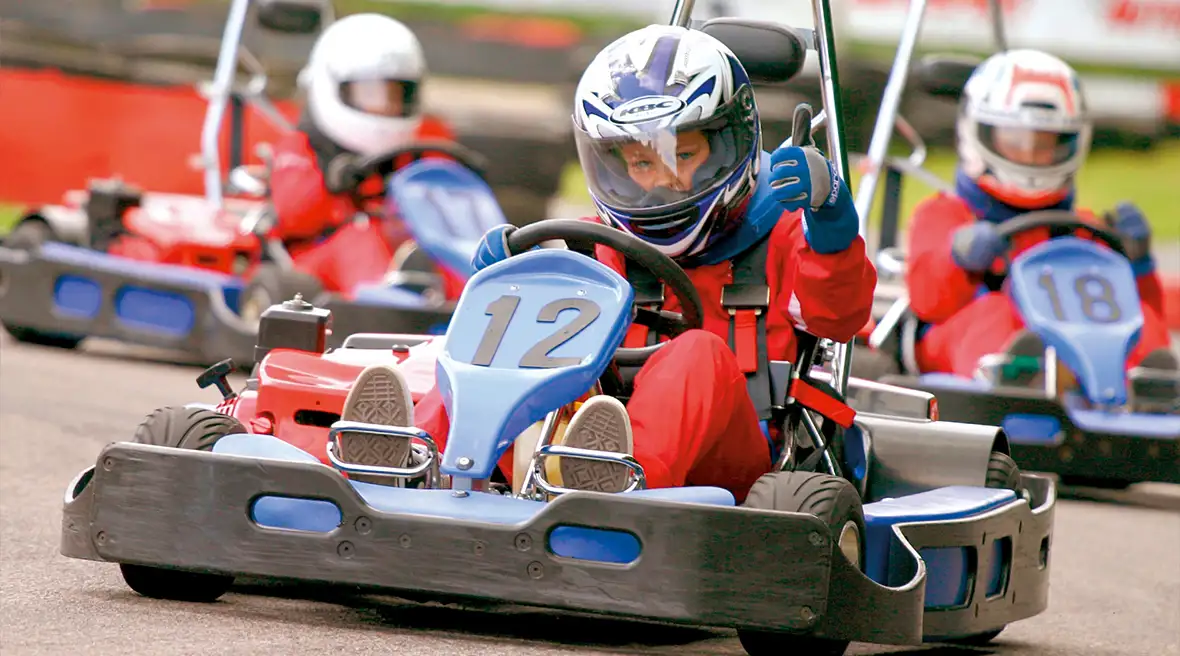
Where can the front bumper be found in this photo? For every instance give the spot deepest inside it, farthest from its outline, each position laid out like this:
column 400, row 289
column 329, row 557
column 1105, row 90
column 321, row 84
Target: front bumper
column 67, row 290
column 699, row 564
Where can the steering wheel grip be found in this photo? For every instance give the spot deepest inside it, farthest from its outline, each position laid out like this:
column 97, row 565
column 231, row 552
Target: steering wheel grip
column 1063, row 219
column 636, row 250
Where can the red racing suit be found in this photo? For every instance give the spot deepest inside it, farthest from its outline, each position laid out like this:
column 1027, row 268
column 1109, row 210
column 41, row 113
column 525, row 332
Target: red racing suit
column 306, row 212
column 968, row 322
column 691, row 415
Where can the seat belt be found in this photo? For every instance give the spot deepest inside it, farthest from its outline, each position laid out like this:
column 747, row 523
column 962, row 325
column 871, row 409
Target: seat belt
column 747, row 300
column 649, row 295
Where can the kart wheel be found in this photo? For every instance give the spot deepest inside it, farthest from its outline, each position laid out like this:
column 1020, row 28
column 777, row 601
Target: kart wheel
column 28, row 236
column 175, row 585
column 1099, row 483
column 271, row 285
column 834, row 501
column 1003, row 473
column 977, row 640
column 186, row 428
column 182, row 428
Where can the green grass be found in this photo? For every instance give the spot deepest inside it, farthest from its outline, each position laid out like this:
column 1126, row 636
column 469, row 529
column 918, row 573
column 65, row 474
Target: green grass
column 601, row 23
column 1149, row 179
column 8, row 216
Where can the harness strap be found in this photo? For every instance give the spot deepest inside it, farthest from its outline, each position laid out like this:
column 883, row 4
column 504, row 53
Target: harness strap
column 747, row 300
column 649, row 294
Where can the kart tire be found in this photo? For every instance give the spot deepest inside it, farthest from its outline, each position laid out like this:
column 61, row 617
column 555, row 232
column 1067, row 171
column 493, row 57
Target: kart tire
column 1097, row 483
column 977, row 640
column 29, row 235
column 271, row 285
column 182, row 428
column 834, row 501
column 1003, row 473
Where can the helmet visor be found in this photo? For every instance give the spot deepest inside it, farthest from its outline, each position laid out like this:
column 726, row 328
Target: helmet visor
column 666, row 168
column 1029, row 146
column 388, row 98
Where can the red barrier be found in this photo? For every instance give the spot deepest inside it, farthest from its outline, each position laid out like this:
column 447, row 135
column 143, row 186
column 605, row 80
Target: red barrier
column 58, row 130
column 1172, row 302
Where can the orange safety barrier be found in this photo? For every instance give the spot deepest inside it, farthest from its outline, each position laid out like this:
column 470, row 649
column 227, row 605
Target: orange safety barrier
column 59, row 130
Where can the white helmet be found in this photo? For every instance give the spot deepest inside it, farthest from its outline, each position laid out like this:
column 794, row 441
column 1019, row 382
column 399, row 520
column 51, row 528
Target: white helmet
column 1023, row 129
column 668, row 137
column 362, row 82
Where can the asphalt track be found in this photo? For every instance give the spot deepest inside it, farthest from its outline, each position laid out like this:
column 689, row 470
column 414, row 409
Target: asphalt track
column 1115, row 559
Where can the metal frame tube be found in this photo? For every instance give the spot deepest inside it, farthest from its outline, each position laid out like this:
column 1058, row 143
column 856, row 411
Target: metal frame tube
column 682, row 12
column 223, row 78
column 887, row 118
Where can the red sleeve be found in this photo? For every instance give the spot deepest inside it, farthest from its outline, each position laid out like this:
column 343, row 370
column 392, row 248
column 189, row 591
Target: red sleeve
column 938, row 288
column 1151, row 291
column 303, row 207
column 829, row 296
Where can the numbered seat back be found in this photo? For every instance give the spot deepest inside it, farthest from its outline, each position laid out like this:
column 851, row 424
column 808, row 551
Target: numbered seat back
column 530, row 334
column 1082, row 299
column 447, row 208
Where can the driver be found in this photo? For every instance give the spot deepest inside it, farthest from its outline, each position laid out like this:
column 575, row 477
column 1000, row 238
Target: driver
column 669, row 140
column 1023, row 133
column 362, row 98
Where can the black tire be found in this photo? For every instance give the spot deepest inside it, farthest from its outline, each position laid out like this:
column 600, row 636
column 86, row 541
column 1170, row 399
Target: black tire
column 1097, row 483
column 29, row 235
column 271, row 285
column 977, row 640
column 182, row 428
column 834, row 501
column 1003, row 473
column 186, row 428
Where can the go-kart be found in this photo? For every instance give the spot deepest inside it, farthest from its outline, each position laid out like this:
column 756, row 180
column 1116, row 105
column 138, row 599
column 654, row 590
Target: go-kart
column 1091, row 422
column 192, row 273
column 869, row 543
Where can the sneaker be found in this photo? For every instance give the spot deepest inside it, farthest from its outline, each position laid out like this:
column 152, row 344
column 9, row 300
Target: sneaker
column 379, row 395
column 601, row 424
column 1023, row 365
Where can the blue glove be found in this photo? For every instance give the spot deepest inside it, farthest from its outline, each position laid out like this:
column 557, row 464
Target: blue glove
column 1131, row 224
column 801, row 178
column 493, row 247
column 975, row 247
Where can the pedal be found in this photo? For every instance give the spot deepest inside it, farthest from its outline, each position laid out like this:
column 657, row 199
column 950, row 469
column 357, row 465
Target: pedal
column 388, row 453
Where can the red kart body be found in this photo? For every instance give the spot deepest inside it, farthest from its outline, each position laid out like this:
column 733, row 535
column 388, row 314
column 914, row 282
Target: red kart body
column 300, row 394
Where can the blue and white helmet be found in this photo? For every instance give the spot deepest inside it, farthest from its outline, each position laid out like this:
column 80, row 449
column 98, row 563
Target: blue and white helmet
column 668, row 137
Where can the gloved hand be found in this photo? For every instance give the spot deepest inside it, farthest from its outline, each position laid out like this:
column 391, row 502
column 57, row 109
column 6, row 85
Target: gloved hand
column 493, row 247
column 802, row 178
column 1131, row 224
column 975, row 247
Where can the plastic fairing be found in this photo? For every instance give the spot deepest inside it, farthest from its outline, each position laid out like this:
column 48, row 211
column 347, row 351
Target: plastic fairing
column 529, row 335
column 1082, row 300
column 447, row 208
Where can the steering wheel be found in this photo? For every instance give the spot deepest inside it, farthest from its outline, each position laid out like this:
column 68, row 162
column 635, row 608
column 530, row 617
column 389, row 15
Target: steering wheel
column 638, row 251
column 1061, row 223
column 382, row 162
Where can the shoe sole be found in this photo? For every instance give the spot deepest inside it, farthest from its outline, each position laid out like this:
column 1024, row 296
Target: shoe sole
column 378, row 396
column 596, row 428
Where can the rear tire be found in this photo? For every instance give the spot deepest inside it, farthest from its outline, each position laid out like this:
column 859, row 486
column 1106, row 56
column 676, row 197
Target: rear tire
column 834, row 501
column 271, row 285
column 29, row 235
column 181, row 428
column 977, row 640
